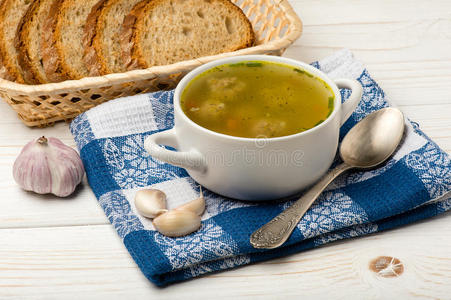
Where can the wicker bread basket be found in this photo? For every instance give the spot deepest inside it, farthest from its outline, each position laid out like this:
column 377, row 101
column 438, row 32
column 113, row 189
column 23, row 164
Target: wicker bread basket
column 276, row 26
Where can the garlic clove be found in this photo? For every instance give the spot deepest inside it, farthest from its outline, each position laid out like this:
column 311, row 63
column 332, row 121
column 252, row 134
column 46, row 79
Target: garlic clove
column 47, row 165
column 176, row 223
column 150, row 202
column 197, row 205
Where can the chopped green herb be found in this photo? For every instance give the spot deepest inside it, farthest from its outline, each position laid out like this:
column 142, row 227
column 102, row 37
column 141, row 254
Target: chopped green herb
column 247, row 64
column 321, row 121
column 254, row 64
column 329, row 113
column 303, row 72
column 330, row 105
column 299, row 70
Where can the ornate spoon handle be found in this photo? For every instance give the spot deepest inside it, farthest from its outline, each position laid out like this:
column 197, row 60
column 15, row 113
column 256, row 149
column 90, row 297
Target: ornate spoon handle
column 274, row 233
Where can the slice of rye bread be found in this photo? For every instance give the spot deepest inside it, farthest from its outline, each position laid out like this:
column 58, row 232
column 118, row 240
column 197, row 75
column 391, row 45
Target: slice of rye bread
column 161, row 32
column 103, row 54
column 50, row 59
column 28, row 41
column 11, row 13
column 62, row 50
column 3, row 71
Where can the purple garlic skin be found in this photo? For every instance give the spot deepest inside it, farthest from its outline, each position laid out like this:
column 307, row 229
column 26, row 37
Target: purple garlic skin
column 47, row 165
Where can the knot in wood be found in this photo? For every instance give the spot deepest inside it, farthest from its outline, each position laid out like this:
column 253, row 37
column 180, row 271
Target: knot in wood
column 386, row 266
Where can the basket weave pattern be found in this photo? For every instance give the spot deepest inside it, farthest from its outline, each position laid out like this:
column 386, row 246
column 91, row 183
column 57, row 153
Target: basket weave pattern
column 275, row 24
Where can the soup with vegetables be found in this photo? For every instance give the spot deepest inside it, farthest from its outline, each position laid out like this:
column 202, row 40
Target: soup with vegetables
column 256, row 99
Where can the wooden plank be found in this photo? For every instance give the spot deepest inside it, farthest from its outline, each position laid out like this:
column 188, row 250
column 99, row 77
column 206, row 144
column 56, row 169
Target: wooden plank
column 405, row 46
column 395, row 39
column 338, row 12
column 14, row 133
column 90, row 262
column 434, row 120
column 19, row 208
column 23, row 209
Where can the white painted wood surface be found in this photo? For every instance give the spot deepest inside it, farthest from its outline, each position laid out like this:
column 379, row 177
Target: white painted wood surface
column 65, row 248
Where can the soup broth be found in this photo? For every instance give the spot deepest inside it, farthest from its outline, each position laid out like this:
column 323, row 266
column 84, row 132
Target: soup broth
column 256, row 99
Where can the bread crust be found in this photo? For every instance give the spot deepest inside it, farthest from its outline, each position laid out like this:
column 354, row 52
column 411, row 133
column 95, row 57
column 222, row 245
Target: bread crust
column 131, row 52
column 251, row 39
column 50, row 56
column 4, row 74
column 66, row 70
column 128, row 34
column 8, row 70
column 95, row 56
column 94, row 62
column 30, row 75
column 55, row 66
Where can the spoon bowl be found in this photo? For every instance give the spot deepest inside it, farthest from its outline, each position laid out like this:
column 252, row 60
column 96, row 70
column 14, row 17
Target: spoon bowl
column 374, row 139
column 368, row 144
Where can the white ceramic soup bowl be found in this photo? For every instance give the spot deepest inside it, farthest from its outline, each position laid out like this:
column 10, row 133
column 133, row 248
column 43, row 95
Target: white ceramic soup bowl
column 253, row 168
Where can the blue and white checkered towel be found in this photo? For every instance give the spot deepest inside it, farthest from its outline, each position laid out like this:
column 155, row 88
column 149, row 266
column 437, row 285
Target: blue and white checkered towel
column 411, row 186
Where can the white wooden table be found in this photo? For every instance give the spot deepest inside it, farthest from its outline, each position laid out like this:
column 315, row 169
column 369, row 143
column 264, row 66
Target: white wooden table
column 65, row 248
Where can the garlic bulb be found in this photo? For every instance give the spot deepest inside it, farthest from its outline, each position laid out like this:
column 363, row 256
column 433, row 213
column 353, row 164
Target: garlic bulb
column 47, row 165
column 197, row 205
column 150, row 203
column 177, row 223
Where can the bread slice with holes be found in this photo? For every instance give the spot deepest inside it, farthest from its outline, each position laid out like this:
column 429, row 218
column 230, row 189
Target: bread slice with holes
column 28, row 41
column 50, row 55
column 103, row 54
column 11, row 13
column 63, row 35
column 161, row 32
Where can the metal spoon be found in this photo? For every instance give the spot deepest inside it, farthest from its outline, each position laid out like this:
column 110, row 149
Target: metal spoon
column 368, row 144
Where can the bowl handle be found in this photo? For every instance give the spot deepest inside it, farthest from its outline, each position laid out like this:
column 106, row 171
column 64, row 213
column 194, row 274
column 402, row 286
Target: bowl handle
column 192, row 159
column 356, row 94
